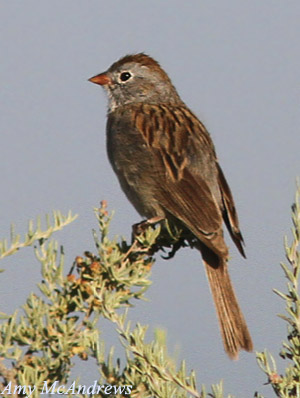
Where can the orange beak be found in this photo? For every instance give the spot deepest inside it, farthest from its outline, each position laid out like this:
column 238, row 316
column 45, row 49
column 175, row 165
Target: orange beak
column 101, row 79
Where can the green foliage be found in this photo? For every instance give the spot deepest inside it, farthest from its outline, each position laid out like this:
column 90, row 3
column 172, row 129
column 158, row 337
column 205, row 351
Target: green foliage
column 288, row 384
column 35, row 233
column 62, row 322
column 39, row 343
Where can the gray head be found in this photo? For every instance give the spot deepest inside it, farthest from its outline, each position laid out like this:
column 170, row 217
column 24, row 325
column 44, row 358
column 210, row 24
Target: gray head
column 137, row 78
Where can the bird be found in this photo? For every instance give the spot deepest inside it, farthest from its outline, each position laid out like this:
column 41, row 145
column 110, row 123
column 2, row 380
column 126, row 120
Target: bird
column 167, row 166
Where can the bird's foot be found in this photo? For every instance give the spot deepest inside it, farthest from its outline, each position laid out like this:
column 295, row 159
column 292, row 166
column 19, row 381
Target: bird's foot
column 139, row 228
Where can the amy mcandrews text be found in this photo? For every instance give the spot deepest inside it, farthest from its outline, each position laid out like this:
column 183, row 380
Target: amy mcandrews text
column 60, row 389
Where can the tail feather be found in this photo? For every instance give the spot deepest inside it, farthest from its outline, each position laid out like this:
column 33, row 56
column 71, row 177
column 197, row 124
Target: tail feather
column 234, row 330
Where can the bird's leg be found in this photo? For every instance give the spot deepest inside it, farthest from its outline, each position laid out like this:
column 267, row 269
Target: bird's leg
column 141, row 227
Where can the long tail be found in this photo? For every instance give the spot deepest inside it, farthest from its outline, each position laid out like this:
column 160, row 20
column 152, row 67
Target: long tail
column 234, row 330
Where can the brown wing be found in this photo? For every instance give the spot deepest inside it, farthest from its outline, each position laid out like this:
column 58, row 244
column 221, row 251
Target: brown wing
column 187, row 181
column 229, row 213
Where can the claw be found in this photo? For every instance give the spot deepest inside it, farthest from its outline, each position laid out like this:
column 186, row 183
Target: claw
column 176, row 246
column 139, row 228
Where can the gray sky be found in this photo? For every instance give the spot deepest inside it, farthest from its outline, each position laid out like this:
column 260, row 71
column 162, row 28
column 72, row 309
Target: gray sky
column 236, row 64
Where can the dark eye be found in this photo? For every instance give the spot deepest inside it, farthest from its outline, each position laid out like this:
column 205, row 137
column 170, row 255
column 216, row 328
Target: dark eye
column 125, row 76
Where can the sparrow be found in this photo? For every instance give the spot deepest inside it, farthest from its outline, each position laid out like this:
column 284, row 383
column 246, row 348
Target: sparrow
column 167, row 166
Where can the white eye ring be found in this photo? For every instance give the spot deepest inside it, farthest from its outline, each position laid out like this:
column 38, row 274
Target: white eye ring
column 124, row 76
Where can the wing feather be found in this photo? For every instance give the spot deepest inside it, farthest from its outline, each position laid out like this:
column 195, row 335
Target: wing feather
column 177, row 139
column 229, row 214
